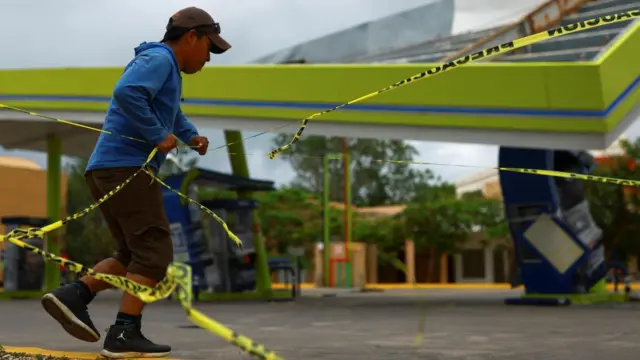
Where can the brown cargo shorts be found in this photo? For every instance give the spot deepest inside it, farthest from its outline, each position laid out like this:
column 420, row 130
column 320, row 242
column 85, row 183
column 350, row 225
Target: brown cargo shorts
column 136, row 218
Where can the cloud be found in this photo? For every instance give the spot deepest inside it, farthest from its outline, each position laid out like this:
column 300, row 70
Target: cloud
column 92, row 33
column 74, row 33
column 66, row 33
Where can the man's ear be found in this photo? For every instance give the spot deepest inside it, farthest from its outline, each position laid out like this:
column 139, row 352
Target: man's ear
column 192, row 36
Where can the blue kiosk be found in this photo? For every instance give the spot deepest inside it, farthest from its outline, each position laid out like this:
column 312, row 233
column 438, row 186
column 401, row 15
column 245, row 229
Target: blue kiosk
column 218, row 265
column 559, row 254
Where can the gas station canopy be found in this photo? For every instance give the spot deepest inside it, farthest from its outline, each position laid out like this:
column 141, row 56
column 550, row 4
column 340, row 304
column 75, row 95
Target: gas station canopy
column 569, row 105
column 21, row 131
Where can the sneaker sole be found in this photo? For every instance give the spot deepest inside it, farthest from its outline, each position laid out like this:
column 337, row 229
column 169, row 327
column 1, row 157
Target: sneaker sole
column 70, row 323
column 132, row 355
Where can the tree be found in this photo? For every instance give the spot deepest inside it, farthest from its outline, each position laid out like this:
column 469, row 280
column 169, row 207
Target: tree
column 292, row 216
column 387, row 233
column 87, row 239
column 427, row 187
column 444, row 225
column 614, row 208
column 436, row 220
column 445, row 221
column 375, row 180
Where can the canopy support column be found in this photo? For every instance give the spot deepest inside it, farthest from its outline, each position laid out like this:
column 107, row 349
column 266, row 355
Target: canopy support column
column 239, row 167
column 54, row 209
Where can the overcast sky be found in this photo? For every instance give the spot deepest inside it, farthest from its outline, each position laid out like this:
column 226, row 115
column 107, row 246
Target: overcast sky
column 86, row 33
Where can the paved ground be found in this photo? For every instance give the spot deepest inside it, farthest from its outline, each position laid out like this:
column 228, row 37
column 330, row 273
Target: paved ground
column 459, row 325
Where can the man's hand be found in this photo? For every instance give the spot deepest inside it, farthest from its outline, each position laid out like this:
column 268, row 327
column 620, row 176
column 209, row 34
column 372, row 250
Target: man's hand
column 199, row 144
column 168, row 144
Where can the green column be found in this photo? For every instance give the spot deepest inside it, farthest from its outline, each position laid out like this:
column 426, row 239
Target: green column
column 326, row 236
column 54, row 207
column 349, row 213
column 239, row 167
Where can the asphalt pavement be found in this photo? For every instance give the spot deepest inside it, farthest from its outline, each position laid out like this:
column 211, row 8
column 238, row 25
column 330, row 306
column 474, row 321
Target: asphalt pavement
column 458, row 324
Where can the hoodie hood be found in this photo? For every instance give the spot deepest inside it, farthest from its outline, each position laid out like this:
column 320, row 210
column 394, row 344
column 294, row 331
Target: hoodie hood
column 151, row 45
column 157, row 46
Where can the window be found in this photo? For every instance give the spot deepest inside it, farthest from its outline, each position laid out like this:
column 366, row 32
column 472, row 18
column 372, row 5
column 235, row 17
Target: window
column 473, row 263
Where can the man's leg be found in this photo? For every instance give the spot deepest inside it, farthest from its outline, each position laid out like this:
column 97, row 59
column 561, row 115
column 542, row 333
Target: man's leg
column 146, row 229
column 107, row 266
column 68, row 303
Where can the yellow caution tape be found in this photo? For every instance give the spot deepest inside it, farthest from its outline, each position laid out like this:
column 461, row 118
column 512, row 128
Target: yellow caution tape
column 468, row 59
column 179, row 275
column 60, row 223
column 144, row 293
column 552, row 173
column 178, row 280
column 563, row 174
column 32, row 113
column 200, row 206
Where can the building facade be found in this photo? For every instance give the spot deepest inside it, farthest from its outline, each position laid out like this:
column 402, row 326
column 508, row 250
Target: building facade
column 23, row 190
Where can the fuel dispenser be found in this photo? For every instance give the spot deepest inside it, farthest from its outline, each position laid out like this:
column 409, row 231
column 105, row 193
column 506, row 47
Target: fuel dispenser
column 22, row 269
column 218, row 265
column 557, row 244
column 235, row 270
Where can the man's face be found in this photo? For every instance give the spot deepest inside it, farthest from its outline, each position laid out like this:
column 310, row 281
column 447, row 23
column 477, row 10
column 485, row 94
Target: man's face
column 197, row 52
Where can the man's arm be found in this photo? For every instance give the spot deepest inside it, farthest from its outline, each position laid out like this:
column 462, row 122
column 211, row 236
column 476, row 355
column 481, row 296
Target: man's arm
column 183, row 128
column 135, row 90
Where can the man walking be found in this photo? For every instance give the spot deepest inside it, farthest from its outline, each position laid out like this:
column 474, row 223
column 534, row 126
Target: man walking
column 145, row 105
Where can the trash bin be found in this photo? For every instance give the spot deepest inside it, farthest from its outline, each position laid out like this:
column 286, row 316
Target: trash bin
column 23, row 270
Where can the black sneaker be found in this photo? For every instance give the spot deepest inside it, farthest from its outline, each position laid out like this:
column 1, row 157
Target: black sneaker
column 66, row 306
column 127, row 342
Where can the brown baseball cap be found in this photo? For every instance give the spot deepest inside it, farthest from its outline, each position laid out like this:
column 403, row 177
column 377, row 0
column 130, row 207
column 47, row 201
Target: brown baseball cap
column 196, row 18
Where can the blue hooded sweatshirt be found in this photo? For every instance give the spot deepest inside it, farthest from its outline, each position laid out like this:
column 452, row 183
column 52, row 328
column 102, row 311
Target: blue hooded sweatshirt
column 145, row 105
